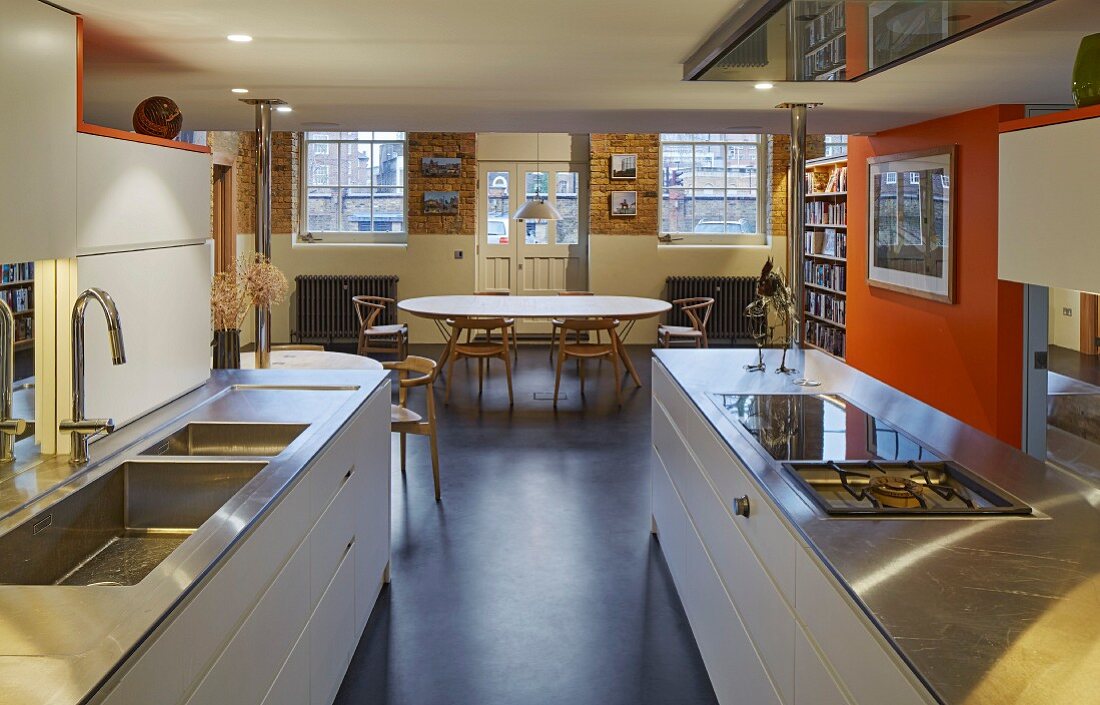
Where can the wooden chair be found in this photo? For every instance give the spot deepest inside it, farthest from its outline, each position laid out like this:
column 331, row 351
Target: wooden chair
column 316, row 348
column 481, row 350
column 511, row 321
column 394, row 337
column 404, row 420
column 555, row 323
column 698, row 310
column 585, row 351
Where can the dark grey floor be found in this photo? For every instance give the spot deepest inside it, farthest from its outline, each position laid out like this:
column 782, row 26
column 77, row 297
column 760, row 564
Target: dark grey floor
column 1073, row 364
column 536, row 580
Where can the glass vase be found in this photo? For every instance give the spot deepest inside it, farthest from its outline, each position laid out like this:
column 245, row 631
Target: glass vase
column 227, row 350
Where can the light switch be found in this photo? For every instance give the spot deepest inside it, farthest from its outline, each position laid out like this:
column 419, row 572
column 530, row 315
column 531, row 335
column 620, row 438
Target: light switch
column 459, row 254
column 1067, row 311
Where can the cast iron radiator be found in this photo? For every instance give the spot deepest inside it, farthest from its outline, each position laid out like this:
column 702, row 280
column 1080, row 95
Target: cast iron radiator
column 323, row 309
column 731, row 295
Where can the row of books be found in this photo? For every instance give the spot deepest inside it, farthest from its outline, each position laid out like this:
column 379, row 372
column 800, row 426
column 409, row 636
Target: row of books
column 827, row 213
column 18, row 299
column 827, row 306
column 830, row 241
column 20, row 271
column 824, row 25
column 825, row 337
column 836, row 183
column 828, row 57
column 24, row 328
column 831, row 276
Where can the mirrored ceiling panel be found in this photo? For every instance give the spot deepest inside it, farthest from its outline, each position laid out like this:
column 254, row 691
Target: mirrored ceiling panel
column 838, row 40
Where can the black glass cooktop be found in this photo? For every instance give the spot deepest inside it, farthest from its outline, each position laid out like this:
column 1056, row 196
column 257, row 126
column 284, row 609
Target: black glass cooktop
column 818, row 427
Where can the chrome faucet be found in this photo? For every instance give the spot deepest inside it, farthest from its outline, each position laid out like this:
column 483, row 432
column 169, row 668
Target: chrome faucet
column 9, row 427
column 83, row 429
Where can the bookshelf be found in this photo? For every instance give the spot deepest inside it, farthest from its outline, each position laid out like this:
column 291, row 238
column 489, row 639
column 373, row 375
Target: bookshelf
column 17, row 290
column 823, row 45
column 825, row 256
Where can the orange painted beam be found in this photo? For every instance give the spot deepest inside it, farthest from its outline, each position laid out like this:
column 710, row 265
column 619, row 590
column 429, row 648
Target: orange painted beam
column 1063, row 117
column 114, row 133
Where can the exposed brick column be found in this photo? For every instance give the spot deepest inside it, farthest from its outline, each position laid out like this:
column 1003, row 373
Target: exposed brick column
column 462, row 145
column 648, row 149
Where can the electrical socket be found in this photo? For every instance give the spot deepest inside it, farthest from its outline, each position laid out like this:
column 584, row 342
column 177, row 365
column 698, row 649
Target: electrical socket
column 459, row 254
column 1067, row 311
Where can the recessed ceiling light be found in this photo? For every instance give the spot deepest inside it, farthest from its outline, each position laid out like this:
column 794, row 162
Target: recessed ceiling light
column 764, row 86
column 284, row 108
column 239, row 38
column 239, row 90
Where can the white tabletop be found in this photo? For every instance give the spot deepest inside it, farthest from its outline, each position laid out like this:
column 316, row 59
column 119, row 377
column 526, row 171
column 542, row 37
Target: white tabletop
column 312, row 360
column 621, row 307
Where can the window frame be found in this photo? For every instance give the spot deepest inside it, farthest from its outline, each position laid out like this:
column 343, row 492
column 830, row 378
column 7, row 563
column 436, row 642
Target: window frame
column 305, row 236
column 759, row 238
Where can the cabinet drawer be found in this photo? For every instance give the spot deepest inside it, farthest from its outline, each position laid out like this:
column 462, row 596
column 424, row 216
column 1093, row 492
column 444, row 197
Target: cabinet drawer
column 735, row 669
column 327, row 475
column 814, row 684
column 332, row 634
column 764, row 529
column 861, row 658
column 372, row 514
column 245, row 670
column 331, row 536
column 291, row 686
column 767, row 617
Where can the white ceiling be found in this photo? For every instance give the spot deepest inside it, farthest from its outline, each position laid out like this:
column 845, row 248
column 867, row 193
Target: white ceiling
column 522, row 65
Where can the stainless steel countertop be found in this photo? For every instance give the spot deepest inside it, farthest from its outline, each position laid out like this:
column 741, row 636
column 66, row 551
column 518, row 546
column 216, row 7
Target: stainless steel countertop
column 59, row 644
column 986, row 611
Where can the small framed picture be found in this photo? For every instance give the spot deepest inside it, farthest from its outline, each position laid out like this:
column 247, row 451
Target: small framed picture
column 440, row 202
column 624, row 204
column 441, row 166
column 624, row 166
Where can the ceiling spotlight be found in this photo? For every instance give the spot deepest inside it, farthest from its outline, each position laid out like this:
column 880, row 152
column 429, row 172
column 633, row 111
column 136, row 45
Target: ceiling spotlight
column 239, row 38
column 764, row 86
column 284, row 108
column 239, row 90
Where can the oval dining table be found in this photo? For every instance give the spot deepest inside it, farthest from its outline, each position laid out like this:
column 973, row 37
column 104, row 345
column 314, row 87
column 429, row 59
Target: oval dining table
column 628, row 309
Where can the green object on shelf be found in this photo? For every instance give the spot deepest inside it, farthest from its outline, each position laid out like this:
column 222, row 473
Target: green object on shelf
column 1086, row 72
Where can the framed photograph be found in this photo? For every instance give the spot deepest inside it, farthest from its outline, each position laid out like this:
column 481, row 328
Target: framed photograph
column 911, row 235
column 440, row 202
column 441, row 166
column 624, row 204
column 624, row 166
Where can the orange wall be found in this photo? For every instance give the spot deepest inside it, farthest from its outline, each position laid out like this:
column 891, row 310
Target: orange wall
column 964, row 359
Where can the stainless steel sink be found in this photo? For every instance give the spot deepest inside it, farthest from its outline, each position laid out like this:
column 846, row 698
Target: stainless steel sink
column 117, row 529
column 228, row 438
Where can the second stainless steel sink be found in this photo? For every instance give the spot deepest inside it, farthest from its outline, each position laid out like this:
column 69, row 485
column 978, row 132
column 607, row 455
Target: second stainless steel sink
column 117, row 529
column 228, row 438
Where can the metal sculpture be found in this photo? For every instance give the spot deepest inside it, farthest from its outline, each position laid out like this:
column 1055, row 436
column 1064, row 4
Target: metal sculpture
column 773, row 299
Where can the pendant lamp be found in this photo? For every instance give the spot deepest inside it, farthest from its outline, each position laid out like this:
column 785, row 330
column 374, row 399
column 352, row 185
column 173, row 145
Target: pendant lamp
column 537, row 208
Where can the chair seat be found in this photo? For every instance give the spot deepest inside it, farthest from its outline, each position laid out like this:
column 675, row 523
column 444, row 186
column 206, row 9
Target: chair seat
column 588, row 349
column 679, row 331
column 399, row 414
column 392, row 329
column 479, row 349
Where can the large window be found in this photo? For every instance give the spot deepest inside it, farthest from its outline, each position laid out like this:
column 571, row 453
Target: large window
column 711, row 188
column 354, row 186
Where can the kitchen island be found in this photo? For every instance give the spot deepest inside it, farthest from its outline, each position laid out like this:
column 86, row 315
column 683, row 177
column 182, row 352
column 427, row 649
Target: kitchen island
column 270, row 490
column 792, row 605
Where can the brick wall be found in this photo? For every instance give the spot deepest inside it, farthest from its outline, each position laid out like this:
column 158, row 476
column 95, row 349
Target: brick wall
column 779, row 162
column 462, row 145
column 648, row 149
column 284, row 178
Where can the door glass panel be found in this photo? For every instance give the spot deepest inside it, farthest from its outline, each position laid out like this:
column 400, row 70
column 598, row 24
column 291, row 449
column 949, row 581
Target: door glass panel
column 566, row 199
column 537, row 185
column 499, row 207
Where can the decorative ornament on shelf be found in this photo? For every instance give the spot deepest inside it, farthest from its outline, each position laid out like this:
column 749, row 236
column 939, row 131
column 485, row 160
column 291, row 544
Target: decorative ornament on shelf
column 773, row 298
column 1086, row 72
column 254, row 281
column 158, row 117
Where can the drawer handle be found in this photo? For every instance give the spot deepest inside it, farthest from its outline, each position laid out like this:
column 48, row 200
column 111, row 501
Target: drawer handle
column 741, row 506
column 347, row 549
column 348, row 474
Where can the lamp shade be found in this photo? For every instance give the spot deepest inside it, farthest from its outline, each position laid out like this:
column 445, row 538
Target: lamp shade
column 537, row 209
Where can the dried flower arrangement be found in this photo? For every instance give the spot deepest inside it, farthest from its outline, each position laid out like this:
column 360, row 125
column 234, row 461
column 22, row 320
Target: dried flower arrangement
column 254, row 281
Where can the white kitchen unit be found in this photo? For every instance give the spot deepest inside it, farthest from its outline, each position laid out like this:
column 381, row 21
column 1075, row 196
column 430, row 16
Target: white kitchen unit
column 278, row 619
column 37, row 131
column 773, row 626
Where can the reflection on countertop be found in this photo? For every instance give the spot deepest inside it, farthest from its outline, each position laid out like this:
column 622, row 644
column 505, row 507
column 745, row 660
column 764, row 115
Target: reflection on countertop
column 986, row 611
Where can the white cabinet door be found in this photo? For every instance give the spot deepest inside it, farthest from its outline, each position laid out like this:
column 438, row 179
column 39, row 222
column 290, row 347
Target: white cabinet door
column 814, row 685
column 291, row 687
column 373, row 508
column 332, row 635
column 37, row 131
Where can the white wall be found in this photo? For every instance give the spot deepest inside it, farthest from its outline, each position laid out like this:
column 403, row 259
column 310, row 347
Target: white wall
column 163, row 300
column 1065, row 331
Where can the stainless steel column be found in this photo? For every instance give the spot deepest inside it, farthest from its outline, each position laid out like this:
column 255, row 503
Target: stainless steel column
column 796, row 207
column 263, row 216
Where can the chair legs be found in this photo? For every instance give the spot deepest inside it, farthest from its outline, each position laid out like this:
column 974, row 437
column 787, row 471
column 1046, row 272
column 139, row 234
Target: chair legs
column 434, row 444
column 404, row 438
